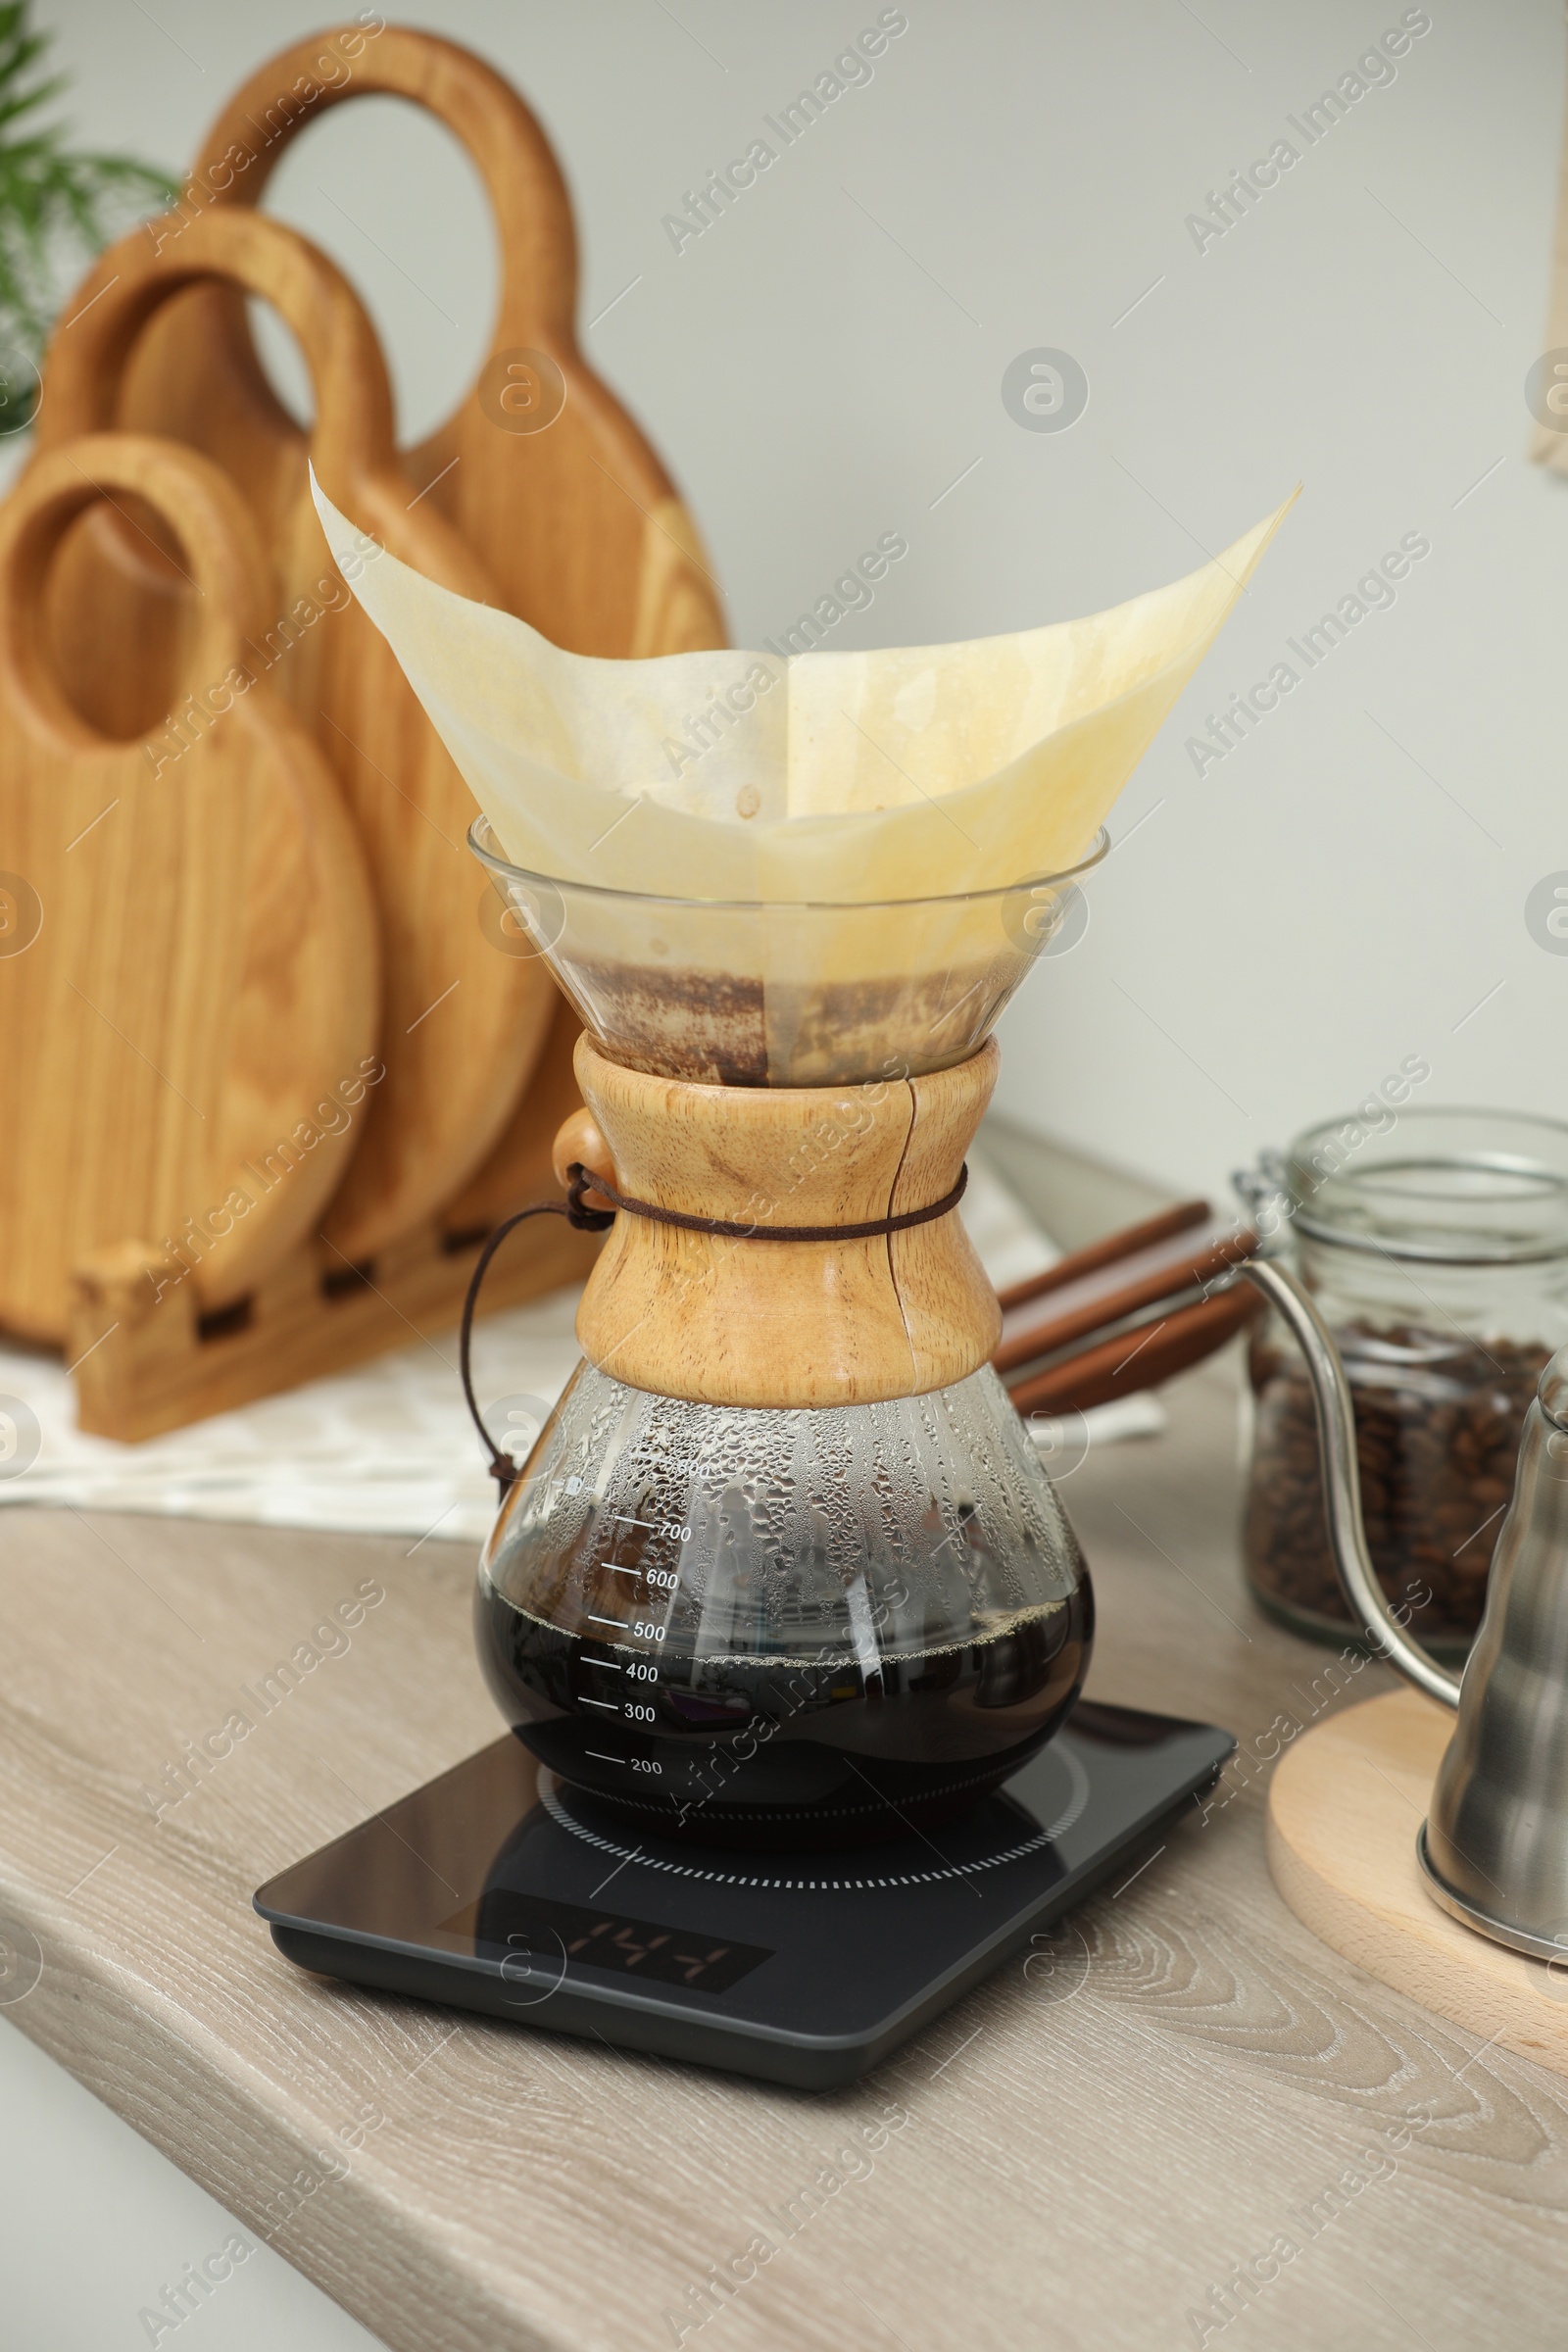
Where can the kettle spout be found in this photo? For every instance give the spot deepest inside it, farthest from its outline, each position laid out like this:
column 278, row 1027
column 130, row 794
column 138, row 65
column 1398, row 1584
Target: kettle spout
column 1342, row 1485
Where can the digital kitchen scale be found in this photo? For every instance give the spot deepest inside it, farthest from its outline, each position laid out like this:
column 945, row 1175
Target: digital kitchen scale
column 500, row 1888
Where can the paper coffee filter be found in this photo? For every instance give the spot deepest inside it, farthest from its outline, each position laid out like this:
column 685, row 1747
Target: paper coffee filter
column 851, row 777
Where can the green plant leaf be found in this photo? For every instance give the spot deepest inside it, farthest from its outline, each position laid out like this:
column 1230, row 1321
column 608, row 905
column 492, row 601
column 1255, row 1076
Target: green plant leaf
column 59, row 205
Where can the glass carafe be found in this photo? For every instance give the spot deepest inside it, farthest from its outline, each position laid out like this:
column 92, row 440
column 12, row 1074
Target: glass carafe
column 765, row 1625
column 759, row 1625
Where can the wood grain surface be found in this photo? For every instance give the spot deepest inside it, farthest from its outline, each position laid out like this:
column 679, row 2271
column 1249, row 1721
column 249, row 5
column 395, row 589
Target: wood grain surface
column 203, row 974
column 733, row 1321
column 462, row 1023
column 1342, row 1814
column 1087, row 2148
column 538, row 469
column 147, row 1359
column 555, row 488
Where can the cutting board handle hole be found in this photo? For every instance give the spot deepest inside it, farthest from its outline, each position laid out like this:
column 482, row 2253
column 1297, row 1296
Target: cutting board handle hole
column 347, row 1282
column 222, row 1322
column 389, row 162
column 57, row 647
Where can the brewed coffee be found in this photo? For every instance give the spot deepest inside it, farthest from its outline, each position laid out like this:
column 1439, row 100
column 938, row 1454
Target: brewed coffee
column 794, row 1751
column 829, row 1627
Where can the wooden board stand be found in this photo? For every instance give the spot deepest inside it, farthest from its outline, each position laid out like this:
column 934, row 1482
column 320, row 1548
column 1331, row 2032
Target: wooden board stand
column 157, row 1364
column 1344, row 1808
column 147, row 1359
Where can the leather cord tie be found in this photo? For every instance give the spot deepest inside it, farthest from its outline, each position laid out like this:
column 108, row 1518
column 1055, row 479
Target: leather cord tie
column 577, row 1213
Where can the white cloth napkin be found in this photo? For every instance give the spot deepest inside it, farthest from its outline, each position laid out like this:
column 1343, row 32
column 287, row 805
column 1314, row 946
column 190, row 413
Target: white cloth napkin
column 388, row 1448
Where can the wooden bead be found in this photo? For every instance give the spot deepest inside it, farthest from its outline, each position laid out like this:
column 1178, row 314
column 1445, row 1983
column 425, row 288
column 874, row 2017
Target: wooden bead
column 727, row 1321
column 578, row 1140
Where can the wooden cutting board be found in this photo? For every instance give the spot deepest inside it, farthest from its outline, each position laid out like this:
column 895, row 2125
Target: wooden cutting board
column 189, row 960
column 461, row 1024
column 538, row 468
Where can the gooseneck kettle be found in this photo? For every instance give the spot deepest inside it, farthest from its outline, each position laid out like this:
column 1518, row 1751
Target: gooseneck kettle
column 1493, row 1847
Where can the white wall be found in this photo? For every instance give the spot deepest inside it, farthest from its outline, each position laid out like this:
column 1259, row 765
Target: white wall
column 1338, row 892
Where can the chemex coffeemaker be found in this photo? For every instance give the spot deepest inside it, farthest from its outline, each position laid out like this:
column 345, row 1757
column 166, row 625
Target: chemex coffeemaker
column 783, row 1568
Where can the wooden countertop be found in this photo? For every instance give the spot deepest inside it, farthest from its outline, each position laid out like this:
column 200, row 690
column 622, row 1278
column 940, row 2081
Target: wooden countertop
column 1083, row 2170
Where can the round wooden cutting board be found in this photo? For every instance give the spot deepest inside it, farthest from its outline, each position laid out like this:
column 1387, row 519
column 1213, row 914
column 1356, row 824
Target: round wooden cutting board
column 188, row 950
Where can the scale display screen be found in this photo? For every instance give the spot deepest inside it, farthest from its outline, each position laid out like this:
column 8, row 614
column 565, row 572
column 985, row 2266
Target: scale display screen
column 532, row 1931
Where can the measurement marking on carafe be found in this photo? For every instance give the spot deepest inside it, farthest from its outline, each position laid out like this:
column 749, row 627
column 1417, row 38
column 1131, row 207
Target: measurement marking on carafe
column 600, row 1757
column 614, row 1704
column 614, row 1621
column 614, row 1666
column 626, row 1519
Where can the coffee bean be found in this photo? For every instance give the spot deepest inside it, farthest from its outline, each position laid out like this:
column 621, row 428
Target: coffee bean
column 1438, row 1423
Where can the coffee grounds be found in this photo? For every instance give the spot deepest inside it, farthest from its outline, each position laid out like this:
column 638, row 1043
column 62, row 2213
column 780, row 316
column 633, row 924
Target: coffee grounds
column 720, row 1029
column 1438, row 1424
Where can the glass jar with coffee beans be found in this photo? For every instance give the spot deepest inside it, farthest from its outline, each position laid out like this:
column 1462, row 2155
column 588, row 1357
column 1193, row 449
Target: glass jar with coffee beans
column 1436, row 1242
